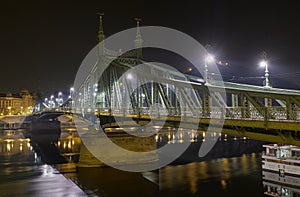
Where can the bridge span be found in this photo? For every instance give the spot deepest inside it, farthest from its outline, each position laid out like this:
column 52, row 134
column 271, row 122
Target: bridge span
column 118, row 88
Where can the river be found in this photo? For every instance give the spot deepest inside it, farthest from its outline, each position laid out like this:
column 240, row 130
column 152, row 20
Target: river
column 232, row 168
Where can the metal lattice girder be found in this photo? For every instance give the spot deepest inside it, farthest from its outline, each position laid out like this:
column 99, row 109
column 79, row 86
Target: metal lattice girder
column 163, row 95
column 234, row 100
column 259, row 91
column 282, row 103
column 206, row 104
column 189, row 101
column 295, row 100
column 290, row 109
column 105, row 82
column 245, row 110
column 145, row 90
column 116, row 87
column 259, row 107
column 177, row 99
column 164, row 78
column 133, row 100
column 197, row 99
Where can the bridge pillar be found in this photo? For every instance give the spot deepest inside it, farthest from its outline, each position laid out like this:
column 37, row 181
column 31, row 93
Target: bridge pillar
column 235, row 100
column 206, row 103
column 177, row 99
column 268, row 102
column 290, row 110
column 245, row 110
column 122, row 139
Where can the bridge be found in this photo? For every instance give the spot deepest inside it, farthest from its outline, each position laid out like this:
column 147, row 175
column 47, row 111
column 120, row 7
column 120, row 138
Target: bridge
column 134, row 92
column 151, row 94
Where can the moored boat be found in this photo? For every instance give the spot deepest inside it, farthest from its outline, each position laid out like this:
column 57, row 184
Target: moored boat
column 284, row 159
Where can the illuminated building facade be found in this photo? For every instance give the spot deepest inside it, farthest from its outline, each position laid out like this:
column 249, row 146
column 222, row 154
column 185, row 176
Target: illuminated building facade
column 17, row 104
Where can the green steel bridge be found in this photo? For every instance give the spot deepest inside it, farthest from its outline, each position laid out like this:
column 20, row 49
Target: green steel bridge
column 126, row 93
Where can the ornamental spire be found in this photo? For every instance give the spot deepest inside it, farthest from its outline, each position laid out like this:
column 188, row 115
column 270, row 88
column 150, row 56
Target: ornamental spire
column 138, row 39
column 101, row 35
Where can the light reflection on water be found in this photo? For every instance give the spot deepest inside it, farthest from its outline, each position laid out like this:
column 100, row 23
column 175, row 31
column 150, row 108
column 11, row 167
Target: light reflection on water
column 222, row 170
column 23, row 173
column 210, row 176
column 222, row 173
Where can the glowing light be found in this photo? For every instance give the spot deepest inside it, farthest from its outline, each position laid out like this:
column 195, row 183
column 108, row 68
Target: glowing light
column 224, row 184
column 210, row 58
column 263, row 64
column 8, row 147
column 129, row 76
column 180, row 135
column 169, row 136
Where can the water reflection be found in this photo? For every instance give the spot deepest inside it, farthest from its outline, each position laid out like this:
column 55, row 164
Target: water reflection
column 275, row 185
column 189, row 177
column 229, row 164
column 232, row 168
column 23, row 171
column 280, row 166
column 69, row 145
column 14, row 147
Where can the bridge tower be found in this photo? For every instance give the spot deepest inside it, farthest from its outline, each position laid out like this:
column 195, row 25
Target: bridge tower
column 101, row 35
column 138, row 39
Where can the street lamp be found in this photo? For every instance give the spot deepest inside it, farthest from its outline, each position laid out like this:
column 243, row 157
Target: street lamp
column 264, row 63
column 71, row 90
column 208, row 59
column 52, row 104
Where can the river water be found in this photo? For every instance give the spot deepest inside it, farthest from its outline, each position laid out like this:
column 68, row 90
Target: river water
column 46, row 166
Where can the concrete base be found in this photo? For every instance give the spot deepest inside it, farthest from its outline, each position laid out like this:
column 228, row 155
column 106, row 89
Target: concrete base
column 96, row 146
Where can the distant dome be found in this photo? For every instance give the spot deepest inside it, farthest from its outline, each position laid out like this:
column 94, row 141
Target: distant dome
column 24, row 92
column 9, row 94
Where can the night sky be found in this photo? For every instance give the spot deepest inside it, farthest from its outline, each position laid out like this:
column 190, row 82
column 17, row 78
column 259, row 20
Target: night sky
column 44, row 42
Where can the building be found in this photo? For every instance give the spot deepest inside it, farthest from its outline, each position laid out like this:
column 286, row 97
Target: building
column 17, row 104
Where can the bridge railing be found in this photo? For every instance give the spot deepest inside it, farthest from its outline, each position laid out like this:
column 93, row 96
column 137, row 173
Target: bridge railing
column 263, row 113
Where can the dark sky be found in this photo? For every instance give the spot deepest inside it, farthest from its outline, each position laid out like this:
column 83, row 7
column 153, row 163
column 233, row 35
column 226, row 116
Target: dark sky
column 44, row 42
